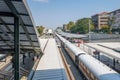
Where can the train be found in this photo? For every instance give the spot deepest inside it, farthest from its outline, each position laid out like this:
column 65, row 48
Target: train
column 92, row 68
column 50, row 31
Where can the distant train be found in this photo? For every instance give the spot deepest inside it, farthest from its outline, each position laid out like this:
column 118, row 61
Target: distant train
column 50, row 32
column 91, row 67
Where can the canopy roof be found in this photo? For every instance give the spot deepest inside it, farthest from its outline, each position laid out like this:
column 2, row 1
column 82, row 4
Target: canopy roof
column 70, row 35
column 28, row 33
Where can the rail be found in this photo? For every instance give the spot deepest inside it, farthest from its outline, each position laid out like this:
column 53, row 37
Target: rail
column 5, row 75
column 67, row 67
column 24, row 71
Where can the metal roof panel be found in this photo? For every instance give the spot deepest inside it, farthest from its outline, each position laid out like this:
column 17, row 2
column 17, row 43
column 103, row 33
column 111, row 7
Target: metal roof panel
column 20, row 7
column 28, row 32
column 4, row 7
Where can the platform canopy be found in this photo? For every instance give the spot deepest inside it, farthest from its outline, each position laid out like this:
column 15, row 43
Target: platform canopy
column 28, row 33
column 71, row 35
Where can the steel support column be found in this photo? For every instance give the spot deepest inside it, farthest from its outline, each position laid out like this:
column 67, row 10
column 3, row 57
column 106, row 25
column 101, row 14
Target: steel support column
column 16, row 48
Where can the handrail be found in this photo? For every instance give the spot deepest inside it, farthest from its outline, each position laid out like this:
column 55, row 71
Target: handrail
column 5, row 75
column 12, row 77
column 24, row 70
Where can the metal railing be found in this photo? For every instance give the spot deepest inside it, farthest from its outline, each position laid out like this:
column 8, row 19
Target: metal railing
column 4, row 75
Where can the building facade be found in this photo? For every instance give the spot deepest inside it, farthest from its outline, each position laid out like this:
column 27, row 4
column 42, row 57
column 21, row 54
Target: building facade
column 100, row 20
column 115, row 19
column 65, row 28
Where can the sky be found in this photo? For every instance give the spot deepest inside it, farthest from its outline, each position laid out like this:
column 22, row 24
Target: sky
column 55, row 13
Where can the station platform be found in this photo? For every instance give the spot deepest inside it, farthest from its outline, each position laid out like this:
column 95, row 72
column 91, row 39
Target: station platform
column 50, row 66
column 106, row 48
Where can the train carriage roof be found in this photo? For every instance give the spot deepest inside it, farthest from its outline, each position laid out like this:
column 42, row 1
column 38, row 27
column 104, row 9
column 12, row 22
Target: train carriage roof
column 100, row 70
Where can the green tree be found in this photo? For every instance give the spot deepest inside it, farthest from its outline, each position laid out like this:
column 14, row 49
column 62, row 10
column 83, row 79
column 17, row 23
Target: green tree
column 91, row 26
column 73, row 29
column 111, row 22
column 40, row 29
column 82, row 26
column 70, row 25
column 105, row 29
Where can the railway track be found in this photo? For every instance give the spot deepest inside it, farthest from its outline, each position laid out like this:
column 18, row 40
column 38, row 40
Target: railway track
column 6, row 70
column 4, row 64
column 72, row 71
column 67, row 66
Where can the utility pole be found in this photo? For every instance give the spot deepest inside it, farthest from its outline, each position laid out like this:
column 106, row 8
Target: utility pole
column 89, row 31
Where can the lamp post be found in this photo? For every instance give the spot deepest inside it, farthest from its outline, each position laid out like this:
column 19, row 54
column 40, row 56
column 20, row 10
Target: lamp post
column 89, row 31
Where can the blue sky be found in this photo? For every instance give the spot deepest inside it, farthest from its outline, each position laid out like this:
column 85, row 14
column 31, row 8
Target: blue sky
column 54, row 13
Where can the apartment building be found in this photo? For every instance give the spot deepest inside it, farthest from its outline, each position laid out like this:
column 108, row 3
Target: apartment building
column 115, row 19
column 100, row 20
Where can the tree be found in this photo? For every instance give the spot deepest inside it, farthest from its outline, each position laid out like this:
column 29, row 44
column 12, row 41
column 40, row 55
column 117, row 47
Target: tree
column 105, row 29
column 40, row 29
column 91, row 26
column 82, row 26
column 73, row 29
column 111, row 22
column 70, row 25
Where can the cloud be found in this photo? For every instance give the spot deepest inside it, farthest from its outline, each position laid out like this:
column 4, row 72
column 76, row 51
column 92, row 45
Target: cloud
column 41, row 0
